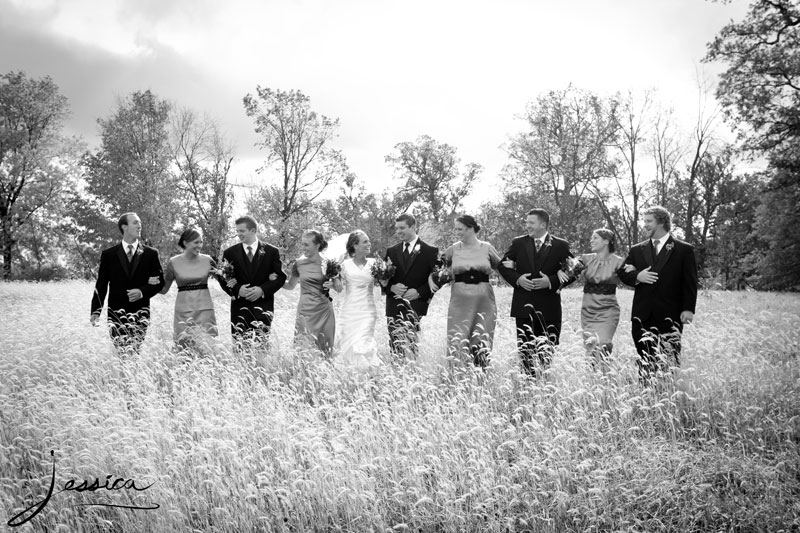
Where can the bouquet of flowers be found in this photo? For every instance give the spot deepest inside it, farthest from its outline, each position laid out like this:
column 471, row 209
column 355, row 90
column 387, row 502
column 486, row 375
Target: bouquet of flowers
column 224, row 270
column 444, row 271
column 571, row 266
column 381, row 270
column 331, row 269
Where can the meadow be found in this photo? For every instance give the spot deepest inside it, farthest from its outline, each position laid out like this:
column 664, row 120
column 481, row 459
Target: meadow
column 283, row 440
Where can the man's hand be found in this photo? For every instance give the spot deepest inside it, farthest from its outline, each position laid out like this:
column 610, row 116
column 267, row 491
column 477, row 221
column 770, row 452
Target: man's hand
column 398, row 289
column 524, row 282
column 94, row 318
column 542, row 282
column 687, row 317
column 255, row 294
column 154, row 280
column 647, row 276
column 134, row 295
column 245, row 290
column 411, row 295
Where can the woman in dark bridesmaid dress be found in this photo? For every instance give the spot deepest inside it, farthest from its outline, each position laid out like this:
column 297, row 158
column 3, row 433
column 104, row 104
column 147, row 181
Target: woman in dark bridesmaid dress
column 315, row 323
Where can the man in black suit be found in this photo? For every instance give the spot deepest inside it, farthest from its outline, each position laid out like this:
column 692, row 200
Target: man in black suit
column 408, row 292
column 665, row 276
column 124, row 272
column 253, row 302
column 531, row 266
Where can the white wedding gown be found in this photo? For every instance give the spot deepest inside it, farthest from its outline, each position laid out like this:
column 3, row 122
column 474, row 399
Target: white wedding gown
column 355, row 326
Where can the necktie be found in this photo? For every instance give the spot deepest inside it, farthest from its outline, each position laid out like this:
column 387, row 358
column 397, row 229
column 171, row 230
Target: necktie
column 657, row 245
column 250, row 254
column 130, row 252
column 406, row 249
column 538, row 243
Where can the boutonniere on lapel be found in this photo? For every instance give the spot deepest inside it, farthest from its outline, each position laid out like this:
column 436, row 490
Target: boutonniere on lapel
column 139, row 250
column 548, row 241
column 415, row 250
column 669, row 247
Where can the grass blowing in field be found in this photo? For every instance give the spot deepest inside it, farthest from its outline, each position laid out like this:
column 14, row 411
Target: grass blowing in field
column 284, row 440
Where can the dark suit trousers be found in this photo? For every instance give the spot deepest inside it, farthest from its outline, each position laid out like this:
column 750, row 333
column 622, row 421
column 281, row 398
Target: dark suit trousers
column 658, row 343
column 536, row 341
column 128, row 330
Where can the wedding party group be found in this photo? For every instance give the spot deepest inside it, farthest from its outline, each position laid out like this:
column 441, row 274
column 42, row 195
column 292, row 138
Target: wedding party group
column 662, row 270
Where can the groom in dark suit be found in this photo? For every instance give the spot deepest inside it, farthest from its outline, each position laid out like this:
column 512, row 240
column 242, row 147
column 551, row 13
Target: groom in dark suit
column 531, row 266
column 665, row 277
column 125, row 270
column 408, row 292
column 252, row 303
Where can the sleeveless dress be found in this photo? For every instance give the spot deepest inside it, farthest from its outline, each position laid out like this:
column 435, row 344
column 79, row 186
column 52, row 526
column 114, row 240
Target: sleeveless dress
column 600, row 312
column 194, row 311
column 315, row 323
column 472, row 314
column 355, row 343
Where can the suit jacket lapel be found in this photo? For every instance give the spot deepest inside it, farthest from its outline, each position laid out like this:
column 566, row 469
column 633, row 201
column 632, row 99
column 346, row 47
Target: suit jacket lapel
column 123, row 258
column 414, row 255
column 544, row 251
column 256, row 262
column 663, row 256
column 137, row 254
column 649, row 255
column 530, row 250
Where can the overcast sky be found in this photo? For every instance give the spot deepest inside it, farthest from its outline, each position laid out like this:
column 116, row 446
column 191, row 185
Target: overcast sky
column 459, row 71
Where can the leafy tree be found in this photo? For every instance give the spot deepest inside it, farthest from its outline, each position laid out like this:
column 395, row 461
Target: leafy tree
column 132, row 169
column 565, row 152
column 297, row 141
column 203, row 158
column 35, row 159
column 760, row 92
column 431, row 178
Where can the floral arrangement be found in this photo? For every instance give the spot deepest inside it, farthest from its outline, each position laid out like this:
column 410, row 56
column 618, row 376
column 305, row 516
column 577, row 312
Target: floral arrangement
column 382, row 270
column 224, row 270
column 571, row 266
column 443, row 273
column 331, row 269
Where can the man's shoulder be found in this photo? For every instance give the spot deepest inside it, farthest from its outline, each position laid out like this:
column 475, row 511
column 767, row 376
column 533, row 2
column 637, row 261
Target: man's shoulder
column 268, row 246
column 559, row 241
column 425, row 246
column 682, row 244
column 111, row 249
column 519, row 238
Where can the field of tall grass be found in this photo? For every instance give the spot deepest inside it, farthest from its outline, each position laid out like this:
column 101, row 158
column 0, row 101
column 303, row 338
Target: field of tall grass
column 282, row 440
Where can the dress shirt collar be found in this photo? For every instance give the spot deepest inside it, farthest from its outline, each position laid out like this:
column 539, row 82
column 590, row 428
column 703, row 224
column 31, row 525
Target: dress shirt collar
column 411, row 245
column 253, row 245
column 135, row 245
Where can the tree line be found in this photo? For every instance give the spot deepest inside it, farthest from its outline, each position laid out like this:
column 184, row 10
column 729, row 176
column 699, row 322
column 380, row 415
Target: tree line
column 592, row 160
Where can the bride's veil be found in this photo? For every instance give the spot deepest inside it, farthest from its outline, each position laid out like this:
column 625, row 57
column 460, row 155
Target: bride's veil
column 337, row 248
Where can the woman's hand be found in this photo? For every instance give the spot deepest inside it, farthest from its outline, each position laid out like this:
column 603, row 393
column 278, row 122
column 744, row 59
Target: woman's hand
column 231, row 283
column 628, row 268
column 273, row 276
column 562, row 276
column 508, row 263
column 154, row 280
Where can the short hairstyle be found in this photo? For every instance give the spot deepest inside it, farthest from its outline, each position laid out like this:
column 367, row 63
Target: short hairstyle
column 188, row 235
column 469, row 221
column 608, row 235
column 250, row 221
column 352, row 241
column 408, row 218
column 317, row 238
column 123, row 220
column 542, row 214
column 661, row 215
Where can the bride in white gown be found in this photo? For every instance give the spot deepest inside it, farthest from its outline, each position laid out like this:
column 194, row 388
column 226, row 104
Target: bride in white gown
column 355, row 343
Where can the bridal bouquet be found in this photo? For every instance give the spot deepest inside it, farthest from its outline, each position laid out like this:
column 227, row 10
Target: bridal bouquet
column 443, row 273
column 381, row 270
column 571, row 266
column 224, row 270
column 331, row 269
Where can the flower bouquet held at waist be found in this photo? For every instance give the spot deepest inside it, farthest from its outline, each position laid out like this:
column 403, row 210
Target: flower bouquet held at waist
column 571, row 266
column 224, row 270
column 331, row 270
column 443, row 273
column 382, row 270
